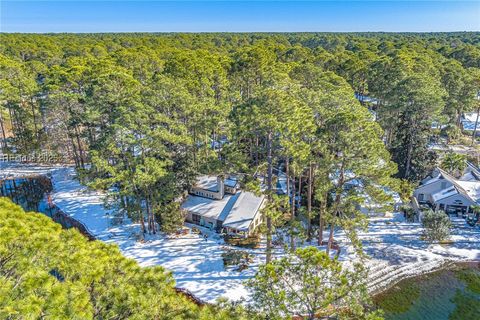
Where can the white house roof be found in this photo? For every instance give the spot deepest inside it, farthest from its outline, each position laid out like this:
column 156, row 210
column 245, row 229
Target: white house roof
column 470, row 116
column 244, row 211
column 469, row 176
column 472, row 188
column 210, row 208
column 236, row 211
column 364, row 98
column 207, row 183
column 444, row 194
column 473, row 170
column 468, row 121
column 231, row 182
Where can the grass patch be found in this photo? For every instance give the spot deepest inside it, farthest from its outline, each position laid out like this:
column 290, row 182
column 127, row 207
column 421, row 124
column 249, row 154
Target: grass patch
column 400, row 298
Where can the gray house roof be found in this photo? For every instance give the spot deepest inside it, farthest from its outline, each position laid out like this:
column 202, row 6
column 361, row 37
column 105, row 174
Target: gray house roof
column 469, row 120
column 207, row 183
column 469, row 189
column 210, row 208
column 244, row 211
column 235, row 211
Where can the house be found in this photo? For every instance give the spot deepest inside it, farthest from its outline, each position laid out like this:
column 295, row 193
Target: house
column 220, row 205
column 469, row 121
column 442, row 191
column 366, row 99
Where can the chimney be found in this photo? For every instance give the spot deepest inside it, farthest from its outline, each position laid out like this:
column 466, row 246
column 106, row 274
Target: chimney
column 220, row 186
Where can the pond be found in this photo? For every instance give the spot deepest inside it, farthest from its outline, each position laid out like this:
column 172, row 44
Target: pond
column 28, row 192
column 448, row 294
column 32, row 194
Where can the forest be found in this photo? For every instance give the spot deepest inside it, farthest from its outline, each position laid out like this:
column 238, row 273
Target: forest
column 142, row 115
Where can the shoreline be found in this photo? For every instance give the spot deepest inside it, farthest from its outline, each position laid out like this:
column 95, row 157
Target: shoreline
column 447, row 265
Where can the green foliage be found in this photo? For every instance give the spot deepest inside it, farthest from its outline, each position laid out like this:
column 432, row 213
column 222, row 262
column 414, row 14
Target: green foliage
column 170, row 217
column 475, row 208
column 436, row 226
column 452, row 132
column 143, row 114
column 233, row 257
column 454, row 163
column 405, row 189
column 50, row 273
column 311, row 284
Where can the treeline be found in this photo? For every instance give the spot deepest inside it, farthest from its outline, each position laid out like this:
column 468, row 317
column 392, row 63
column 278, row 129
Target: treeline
column 50, row 273
column 151, row 111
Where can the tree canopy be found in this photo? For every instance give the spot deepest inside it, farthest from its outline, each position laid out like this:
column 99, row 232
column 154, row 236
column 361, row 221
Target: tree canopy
column 50, row 273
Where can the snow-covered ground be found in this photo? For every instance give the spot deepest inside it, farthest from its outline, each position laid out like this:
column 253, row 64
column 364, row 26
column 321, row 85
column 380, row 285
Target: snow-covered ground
column 394, row 245
column 196, row 263
column 396, row 250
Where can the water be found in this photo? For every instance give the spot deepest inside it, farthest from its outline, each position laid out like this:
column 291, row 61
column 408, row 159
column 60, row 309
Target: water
column 451, row 294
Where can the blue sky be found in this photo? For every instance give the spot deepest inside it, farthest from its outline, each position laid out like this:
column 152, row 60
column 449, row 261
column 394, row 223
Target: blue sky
column 237, row 16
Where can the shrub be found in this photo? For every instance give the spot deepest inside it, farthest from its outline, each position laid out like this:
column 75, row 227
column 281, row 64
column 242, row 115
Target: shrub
column 436, row 226
column 250, row 242
column 233, row 257
column 408, row 212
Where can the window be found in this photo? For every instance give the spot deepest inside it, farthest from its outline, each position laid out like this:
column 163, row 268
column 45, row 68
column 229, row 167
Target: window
column 421, row 197
column 196, row 218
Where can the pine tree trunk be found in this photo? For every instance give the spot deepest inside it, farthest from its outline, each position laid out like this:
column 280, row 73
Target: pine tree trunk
column 320, row 225
column 2, row 129
column 269, row 188
column 149, row 217
column 309, row 202
column 292, row 216
column 80, row 150
column 336, row 206
column 256, row 150
column 474, row 128
column 300, row 190
column 142, row 222
column 154, row 223
column 75, row 154
column 330, row 238
column 34, row 120
column 409, row 157
column 287, row 174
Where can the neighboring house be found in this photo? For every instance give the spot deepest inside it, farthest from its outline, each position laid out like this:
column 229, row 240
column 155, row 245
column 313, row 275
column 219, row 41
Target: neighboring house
column 366, row 99
column 220, row 205
column 468, row 122
column 442, row 191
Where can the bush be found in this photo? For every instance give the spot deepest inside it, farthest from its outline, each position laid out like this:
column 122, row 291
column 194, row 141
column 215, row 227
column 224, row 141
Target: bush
column 452, row 132
column 233, row 257
column 408, row 212
column 250, row 242
column 436, row 226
